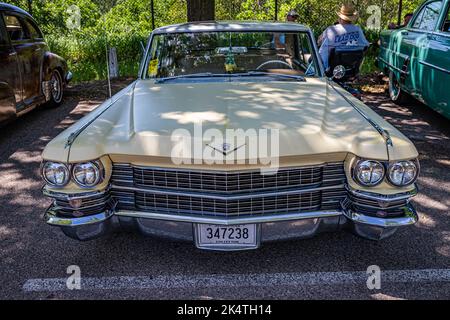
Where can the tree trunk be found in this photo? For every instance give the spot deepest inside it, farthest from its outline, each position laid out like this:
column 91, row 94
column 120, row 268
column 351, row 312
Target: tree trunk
column 30, row 6
column 200, row 10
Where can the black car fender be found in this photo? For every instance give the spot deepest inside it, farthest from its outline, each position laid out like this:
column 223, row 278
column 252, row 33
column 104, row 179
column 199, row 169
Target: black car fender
column 51, row 62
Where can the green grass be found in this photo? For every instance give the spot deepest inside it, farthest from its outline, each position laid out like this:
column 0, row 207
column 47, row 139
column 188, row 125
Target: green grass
column 87, row 71
column 368, row 66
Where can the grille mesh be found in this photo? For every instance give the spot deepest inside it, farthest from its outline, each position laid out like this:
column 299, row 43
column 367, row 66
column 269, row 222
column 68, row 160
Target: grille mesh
column 201, row 186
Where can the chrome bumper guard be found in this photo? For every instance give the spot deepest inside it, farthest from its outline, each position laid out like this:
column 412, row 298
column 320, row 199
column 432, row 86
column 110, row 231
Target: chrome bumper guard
column 369, row 215
column 69, row 76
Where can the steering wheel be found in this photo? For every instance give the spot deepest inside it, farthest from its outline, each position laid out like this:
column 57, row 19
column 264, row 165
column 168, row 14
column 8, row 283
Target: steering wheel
column 275, row 61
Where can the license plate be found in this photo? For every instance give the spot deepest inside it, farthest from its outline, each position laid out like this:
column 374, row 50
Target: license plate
column 211, row 235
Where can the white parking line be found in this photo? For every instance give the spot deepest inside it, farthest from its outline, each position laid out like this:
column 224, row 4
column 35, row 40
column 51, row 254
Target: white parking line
column 239, row 280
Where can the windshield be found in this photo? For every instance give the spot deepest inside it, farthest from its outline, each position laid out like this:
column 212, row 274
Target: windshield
column 221, row 53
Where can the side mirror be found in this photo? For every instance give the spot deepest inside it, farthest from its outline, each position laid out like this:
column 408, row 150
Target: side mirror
column 339, row 72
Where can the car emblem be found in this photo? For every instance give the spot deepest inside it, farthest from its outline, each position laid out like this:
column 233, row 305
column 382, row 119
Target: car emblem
column 225, row 148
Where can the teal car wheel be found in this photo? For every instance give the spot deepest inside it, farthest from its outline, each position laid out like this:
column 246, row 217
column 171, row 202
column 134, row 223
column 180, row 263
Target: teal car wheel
column 396, row 93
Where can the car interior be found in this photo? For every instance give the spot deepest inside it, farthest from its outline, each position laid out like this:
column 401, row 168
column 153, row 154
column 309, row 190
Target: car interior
column 14, row 28
column 291, row 56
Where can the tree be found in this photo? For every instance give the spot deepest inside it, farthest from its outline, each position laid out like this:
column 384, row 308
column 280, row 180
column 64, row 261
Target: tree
column 200, row 10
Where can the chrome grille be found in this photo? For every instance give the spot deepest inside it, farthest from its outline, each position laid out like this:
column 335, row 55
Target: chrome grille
column 188, row 192
column 226, row 182
column 242, row 207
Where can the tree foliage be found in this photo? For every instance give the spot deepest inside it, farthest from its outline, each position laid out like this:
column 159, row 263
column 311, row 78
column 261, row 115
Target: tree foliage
column 124, row 24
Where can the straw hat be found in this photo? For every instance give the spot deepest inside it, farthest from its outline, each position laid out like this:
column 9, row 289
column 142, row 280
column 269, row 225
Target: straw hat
column 293, row 13
column 348, row 13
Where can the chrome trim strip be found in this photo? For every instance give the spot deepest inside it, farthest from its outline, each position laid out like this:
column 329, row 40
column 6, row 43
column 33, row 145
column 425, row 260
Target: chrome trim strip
column 382, row 197
column 52, row 219
column 434, row 67
column 67, row 197
column 393, row 67
column 384, row 133
column 220, row 197
column 73, row 136
column 229, row 221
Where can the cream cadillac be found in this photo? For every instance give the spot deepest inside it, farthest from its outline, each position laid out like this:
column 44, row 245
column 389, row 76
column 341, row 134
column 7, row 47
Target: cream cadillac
column 339, row 165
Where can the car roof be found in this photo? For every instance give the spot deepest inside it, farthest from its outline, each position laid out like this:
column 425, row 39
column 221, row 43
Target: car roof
column 9, row 7
column 228, row 26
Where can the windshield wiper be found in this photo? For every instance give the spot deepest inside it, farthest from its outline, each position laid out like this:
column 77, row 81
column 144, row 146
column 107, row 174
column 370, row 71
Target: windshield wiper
column 272, row 74
column 191, row 75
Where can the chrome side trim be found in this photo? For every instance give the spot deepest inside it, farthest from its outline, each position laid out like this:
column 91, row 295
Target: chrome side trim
column 73, row 136
column 52, row 219
column 434, row 67
column 229, row 221
column 393, row 67
column 220, row 197
column 383, row 132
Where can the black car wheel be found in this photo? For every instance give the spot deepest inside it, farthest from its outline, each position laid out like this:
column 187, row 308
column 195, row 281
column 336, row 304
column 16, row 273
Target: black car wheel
column 56, row 89
column 396, row 94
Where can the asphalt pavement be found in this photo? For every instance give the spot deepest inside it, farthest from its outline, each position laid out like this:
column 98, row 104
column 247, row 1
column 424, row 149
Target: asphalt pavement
column 34, row 257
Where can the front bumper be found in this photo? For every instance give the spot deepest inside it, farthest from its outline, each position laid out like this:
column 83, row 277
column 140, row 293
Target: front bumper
column 69, row 77
column 272, row 228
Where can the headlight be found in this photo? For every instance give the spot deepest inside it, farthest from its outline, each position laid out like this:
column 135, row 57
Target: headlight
column 403, row 173
column 55, row 174
column 368, row 173
column 87, row 174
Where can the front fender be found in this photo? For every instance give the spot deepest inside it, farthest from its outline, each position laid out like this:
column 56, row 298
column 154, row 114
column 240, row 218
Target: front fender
column 51, row 62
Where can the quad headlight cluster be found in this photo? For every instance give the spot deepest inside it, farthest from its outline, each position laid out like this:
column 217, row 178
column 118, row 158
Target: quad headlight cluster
column 86, row 174
column 370, row 173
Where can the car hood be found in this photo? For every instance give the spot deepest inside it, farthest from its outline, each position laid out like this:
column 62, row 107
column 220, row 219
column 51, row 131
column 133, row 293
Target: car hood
column 312, row 118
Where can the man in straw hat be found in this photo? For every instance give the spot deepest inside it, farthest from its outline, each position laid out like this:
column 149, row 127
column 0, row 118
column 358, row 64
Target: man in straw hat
column 280, row 39
column 292, row 16
column 342, row 34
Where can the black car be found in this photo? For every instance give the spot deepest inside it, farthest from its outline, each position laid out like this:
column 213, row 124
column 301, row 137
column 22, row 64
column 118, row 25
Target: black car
column 30, row 75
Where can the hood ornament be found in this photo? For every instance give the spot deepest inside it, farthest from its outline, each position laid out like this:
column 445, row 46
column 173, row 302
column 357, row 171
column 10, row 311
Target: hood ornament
column 225, row 148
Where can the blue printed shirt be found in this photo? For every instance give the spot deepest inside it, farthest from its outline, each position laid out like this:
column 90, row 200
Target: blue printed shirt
column 341, row 36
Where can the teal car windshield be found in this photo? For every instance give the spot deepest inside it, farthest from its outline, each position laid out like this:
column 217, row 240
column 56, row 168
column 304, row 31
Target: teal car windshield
column 222, row 53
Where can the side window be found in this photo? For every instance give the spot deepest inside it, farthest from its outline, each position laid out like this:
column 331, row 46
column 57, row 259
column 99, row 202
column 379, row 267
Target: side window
column 416, row 23
column 33, row 30
column 14, row 28
column 446, row 25
column 428, row 16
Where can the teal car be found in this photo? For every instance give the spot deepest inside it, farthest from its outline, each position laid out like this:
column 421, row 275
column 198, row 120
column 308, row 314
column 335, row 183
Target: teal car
column 417, row 57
